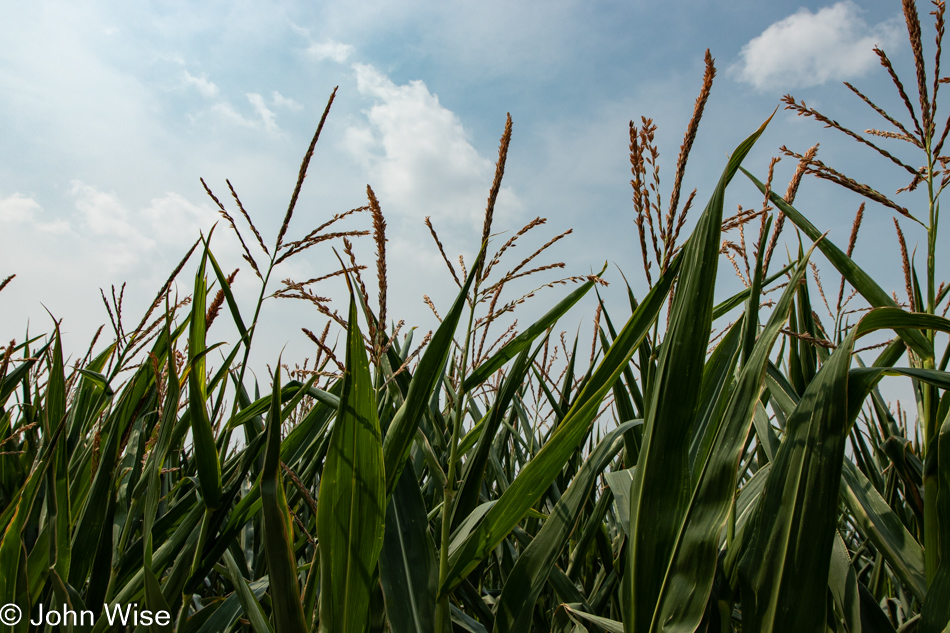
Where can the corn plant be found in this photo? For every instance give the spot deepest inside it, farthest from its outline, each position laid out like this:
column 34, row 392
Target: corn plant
column 710, row 463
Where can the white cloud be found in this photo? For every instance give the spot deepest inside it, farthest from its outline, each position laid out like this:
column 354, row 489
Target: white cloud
column 104, row 220
column 17, row 209
column 280, row 101
column 206, row 88
column 263, row 118
column 330, row 49
column 92, row 241
column 266, row 114
column 101, row 232
column 299, row 30
column 809, row 49
column 419, row 156
column 227, row 112
column 175, row 220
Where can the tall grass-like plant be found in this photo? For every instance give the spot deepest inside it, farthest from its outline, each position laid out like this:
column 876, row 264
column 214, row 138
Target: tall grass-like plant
column 921, row 134
column 705, row 463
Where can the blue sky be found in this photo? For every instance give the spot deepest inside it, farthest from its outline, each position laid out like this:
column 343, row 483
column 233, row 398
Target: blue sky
column 112, row 111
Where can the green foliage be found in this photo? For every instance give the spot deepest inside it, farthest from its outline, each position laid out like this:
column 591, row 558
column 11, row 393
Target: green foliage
column 677, row 480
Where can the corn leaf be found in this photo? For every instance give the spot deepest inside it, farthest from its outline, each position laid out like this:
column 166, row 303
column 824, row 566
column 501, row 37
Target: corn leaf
column 854, row 274
column 403, row 426
column 278, row 528
column 408, row 568
column 351, row 505
column 530, row 573
column 206, row 453
column 692, row 565
column 536, row 476
column 249, row 602
column 662, row 480
column 786, row 561
column 525, row 338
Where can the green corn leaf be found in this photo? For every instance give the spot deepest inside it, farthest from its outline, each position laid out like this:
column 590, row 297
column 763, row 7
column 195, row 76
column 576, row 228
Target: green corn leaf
column 611, row 626
column 151, row 479
column 724, row 307
column 291, row 390
column 13, row 587
column 843, row 582
column 58, row 493
column 718, row 376
column 466, row 622
column 65, row 594
column 620, row 482
column 796, row 517
column 688, row 581
column 94, row 504
column 662, row 480
column 860, row 280
column 402, row 428
column 351, row 505
column 537, row 475
column 408, row 567
column 874, row 517
column 206, row 453
column 98, row 379
column 224, row 616
column 228, row 295
column 249, row 602
column 155, row 601
column 874, row 620
column 530, row 574
column 935, row 616
column 475, row 467
column 89, row 400
column 278, row 527
column 13, row 379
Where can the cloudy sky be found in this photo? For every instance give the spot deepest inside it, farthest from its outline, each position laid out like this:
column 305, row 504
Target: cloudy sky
column 111, row 112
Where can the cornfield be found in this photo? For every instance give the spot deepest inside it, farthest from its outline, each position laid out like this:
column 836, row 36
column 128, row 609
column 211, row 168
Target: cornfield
column 707, row 463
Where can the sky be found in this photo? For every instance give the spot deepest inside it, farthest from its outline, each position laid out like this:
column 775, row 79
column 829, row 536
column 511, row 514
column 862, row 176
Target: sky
column 111, row 112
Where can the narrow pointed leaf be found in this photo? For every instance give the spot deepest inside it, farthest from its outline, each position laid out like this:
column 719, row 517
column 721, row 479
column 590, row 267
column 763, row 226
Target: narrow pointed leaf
column 206, row 453
column 786, row 563
column 252, row 608
column 534, row 479
column 662, row 480
column 692, row 566
column 530, row 573
column 351, row 505
column 403, row 426
column 278, row 528
column 860, row 280
column 408, row 568
column 791, row 534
